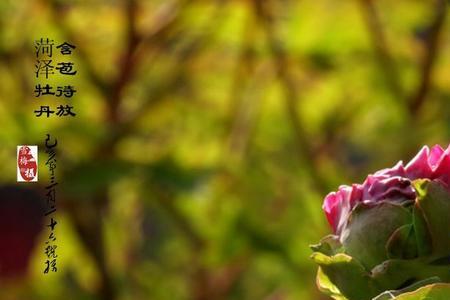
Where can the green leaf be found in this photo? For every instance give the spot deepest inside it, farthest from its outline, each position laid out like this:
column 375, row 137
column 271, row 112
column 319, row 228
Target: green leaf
column 393, row 293
column 327, row 287
column 437, row 291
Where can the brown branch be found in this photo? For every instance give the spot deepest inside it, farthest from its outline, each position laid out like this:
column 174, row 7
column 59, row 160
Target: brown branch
column 127, row 62
column 418, row 97
column 382, row 50
column 90, row 229
column 281, row 63
column 135, row 49
column 166, row 18
column 429, row 59
column 88, row 223
column 181, row 61
column 57, row 15
column 243, row 108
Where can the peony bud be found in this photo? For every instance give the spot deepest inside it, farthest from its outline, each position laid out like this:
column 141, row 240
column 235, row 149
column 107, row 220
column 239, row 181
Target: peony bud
column 390, row 233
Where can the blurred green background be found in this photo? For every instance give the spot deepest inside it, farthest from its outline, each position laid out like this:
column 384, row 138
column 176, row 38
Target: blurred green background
column 207, row 134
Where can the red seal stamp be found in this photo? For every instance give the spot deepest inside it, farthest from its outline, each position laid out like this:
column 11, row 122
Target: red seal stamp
column 27, row 163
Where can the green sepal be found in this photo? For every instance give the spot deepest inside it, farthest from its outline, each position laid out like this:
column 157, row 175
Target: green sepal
column 433, row 201
column 329, row 245
column 347, row 274
column 402, row 243
column 369, row 229
column 397, row 274
column 423, row 236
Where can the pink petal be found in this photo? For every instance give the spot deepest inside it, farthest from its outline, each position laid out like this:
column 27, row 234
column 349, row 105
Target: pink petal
column 435, row 156
column 330, row 207
column 397, row 170
column 418, row 167
column 442, row 170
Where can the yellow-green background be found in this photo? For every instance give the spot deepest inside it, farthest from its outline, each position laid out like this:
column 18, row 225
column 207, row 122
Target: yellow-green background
column 208, row 132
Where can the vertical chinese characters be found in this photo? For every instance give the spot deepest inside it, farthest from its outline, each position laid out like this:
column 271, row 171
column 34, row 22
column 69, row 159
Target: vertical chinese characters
column 47, row 67
column 50, row 244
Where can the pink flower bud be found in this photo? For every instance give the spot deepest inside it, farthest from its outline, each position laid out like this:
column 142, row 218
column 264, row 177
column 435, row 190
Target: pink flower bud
column 392, row 184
